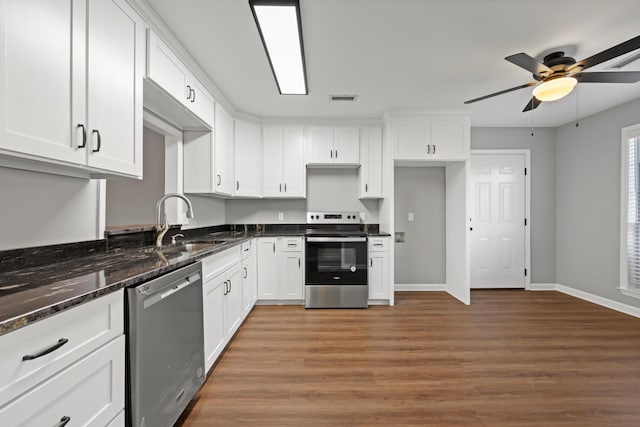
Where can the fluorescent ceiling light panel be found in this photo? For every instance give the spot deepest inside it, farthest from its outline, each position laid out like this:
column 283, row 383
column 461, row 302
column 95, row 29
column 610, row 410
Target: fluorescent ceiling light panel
column 281, row 33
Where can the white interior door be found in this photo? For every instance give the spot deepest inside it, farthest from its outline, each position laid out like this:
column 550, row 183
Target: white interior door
column 497, row 220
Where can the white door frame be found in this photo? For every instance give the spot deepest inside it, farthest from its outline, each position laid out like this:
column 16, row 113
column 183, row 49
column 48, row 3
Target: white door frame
column 527, row 205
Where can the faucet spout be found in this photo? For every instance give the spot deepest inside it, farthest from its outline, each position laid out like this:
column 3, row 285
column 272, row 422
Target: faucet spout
column 161, row 228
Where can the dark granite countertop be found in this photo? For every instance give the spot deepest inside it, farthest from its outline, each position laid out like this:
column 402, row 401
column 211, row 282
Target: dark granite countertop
column 38, row 282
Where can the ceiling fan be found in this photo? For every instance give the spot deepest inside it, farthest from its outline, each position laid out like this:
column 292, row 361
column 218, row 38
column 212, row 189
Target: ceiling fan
column 558, row 74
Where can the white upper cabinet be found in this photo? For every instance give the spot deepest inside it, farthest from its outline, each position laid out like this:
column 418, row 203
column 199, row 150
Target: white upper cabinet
column 283, row 162
column 333, row 146
column 431, row 137
column 208, row 158
column 72, row 74
column 171, row 75
column 224, row 152
column 370, row 163
column 248, row 159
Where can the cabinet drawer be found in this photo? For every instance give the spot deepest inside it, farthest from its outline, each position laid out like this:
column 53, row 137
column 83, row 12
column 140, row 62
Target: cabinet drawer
column 292, row 244
column 215, row 264
column 90, row 392
column 86, row 328
column 246, row 248
column 378, row 244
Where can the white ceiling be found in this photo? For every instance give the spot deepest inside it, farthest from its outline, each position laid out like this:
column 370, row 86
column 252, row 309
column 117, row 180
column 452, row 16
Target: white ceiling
column 400, row 55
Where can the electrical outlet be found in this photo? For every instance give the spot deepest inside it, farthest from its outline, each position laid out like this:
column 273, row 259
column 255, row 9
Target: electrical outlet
column 411, row 216
column 362, row 217
column 280, row 216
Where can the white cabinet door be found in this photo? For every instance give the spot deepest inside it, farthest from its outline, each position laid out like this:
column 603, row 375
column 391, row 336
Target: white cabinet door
column 232, row 301
column 292, row 279
column 213, row 318
column 114, row 85
column 42, row 100
column 165, row 69
column 378, row 275
column 346, row 146
column 320, row 144
column 223, row 158
column 248, row 159
column 450, row 139
column 90, row 392
column 411, row 140
column 199, row 100
column 293, row 168
column 283, row 160
column 249, row 280
column 371, row 163
column 267, row 269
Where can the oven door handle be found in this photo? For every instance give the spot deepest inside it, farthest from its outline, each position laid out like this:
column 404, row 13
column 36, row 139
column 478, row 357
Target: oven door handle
column 336, row 239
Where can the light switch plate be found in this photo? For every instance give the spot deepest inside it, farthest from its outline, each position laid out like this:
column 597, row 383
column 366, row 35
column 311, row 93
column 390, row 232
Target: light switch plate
column 411, row 216
column 280, row 216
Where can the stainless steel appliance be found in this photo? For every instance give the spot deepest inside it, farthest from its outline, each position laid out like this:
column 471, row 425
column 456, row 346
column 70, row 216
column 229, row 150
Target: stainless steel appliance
column 165, row 347
column 335, row 261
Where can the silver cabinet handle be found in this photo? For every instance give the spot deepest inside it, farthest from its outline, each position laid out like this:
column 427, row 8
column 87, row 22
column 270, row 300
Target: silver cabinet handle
column 84, row 136
column 219, row 179
column 97, row 132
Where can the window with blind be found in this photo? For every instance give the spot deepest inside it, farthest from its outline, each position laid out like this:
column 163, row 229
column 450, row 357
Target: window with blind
column 630, row 213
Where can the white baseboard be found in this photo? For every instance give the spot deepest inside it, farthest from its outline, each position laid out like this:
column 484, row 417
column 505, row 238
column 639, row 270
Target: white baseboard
column 419, row 287
column 596, row 299
column 543, row 287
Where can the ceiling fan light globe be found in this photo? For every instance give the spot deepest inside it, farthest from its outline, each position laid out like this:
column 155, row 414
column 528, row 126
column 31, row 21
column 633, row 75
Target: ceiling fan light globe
column 555, row 89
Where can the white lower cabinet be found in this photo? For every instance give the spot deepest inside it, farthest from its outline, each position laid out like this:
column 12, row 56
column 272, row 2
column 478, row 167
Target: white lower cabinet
column 224, row 307
column 280, row 268
column 81, row 379
column 379, row 268
column 249, row 276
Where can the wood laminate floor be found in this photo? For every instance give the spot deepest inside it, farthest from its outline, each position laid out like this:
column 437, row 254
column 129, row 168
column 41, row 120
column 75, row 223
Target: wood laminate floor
column 512, row 358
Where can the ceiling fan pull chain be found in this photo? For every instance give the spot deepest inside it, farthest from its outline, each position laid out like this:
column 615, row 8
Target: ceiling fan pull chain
column 532, row 108
column 577, row 102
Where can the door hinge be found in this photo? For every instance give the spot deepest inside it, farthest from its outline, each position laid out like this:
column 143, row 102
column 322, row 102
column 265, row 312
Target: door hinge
column 525, row 221
column 525, row 272
column 525, row 171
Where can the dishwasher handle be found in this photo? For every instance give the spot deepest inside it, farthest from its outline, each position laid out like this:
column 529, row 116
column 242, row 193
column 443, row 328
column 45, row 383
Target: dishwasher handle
column 153, row 288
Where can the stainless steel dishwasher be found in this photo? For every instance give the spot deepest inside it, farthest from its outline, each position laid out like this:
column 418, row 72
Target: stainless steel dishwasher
column 165, row 346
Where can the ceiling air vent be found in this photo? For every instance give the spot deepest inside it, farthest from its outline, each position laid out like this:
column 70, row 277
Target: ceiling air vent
column 350, row 98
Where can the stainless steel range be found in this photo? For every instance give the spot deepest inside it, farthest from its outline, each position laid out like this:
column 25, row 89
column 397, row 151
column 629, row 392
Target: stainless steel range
column 335, row 261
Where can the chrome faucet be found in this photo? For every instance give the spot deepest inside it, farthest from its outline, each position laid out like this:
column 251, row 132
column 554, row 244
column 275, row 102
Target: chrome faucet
column 161, row 229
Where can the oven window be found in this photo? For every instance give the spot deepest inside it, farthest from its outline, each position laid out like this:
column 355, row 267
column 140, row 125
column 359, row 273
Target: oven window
column 336, row 259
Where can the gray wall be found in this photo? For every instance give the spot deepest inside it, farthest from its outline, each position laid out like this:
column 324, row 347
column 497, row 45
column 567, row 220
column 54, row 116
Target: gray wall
column 421, row 258
column 131, row 201
column 543, row 189
column 327, row 190
column 588, row 202
column 40, row 209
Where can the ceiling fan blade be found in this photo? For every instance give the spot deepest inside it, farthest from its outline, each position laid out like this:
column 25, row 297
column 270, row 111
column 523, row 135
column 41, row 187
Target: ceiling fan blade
column 609, row 77
column 605, row 55
column 532, row 104
column 501, row 92
column 529, row 63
